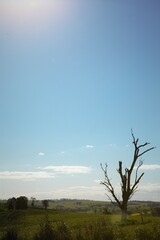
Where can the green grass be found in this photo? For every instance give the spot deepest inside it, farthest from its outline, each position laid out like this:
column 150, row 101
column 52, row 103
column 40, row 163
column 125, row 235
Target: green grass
column 28, row 223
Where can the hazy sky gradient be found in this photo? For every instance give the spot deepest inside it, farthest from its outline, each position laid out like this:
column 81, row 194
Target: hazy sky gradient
column 75, row 77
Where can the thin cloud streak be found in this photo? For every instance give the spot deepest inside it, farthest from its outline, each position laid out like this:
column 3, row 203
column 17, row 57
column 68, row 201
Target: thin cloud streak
column 73, row 192
column 41, row 153
column 15, row 175
column 90, row 146
column 69, row 169
column 94, row 192
column 150, row 187
column 150, row 167
column 112, row 145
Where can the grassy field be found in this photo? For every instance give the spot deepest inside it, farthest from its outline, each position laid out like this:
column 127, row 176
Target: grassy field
column 72, row 205
column 74, row 223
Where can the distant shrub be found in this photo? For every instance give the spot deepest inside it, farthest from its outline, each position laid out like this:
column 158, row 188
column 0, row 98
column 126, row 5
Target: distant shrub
column 106, row 210
column 10, row 234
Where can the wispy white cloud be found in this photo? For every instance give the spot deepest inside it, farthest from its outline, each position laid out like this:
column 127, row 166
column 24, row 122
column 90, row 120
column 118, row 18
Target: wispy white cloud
column 73, row 192
column 97, row 181
column 69, row 169
column 41, row 153
column 81, row 192
column 25, row 175
column 31, row 176
column 112, row 145
column 90, row 146
column 150, row 167
column 150, row 187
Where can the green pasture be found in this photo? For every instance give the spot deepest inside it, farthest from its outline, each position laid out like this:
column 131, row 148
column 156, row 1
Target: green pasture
column 28, row 222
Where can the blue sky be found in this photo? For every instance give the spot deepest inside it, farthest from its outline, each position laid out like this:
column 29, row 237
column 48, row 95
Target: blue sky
column 75, row 77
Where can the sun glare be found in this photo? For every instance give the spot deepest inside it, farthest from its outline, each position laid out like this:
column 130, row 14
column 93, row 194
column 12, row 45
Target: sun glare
column 28, row 12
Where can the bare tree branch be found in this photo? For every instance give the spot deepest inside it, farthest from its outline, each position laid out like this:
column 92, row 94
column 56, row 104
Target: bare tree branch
column 146, row 151
column 143, row 145
column 136, row 182
column 107, row 183
column 140, row 164
column 115, row 203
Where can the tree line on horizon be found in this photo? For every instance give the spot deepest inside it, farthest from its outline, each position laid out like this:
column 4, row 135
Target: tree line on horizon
column 19, row 203
column 22, row 203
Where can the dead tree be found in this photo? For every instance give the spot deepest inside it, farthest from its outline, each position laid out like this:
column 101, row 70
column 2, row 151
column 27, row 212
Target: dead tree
column 128, row 188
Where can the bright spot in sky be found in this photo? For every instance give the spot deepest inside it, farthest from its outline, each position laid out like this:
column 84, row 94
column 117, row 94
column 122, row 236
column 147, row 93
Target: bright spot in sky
column 28, row 14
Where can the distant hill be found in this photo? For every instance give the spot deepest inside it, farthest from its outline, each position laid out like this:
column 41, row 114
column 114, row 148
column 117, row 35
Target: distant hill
column 82, row 205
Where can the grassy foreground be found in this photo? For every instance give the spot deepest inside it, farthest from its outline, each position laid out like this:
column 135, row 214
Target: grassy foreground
column 37, row 223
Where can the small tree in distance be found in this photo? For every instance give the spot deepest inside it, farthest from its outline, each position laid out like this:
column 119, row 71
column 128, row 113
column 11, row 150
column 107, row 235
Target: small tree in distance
column 22, row 202
column 128, row 188
column 45, row 204
column 33, row 199
column 11, row 203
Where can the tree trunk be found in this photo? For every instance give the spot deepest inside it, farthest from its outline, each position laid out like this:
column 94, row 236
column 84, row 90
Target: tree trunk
column 124, row 213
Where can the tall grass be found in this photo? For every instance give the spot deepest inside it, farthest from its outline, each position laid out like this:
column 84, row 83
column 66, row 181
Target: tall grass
column 37, row 225
column 10, row 234
column 148, row 232
column 101, row 230
column 49, row 232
